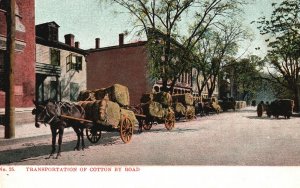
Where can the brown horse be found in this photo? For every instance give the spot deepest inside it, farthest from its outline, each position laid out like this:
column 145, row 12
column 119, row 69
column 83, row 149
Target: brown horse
column 50, row 112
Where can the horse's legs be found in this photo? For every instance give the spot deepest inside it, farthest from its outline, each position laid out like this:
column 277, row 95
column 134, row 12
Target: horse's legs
column 61, row 133
column 53, row 131
column 82, row 138
column 77, row 131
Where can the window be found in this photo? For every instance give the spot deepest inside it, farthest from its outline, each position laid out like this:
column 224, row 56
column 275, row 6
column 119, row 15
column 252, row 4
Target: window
column 53, row 90
column 2, row 76
column 55, row 57
column 2, row 5
column 53, row 33
column 78, row 63
column 74, row 91
column 74, row 62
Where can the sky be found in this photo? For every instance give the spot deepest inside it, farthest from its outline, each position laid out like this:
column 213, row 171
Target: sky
column 90, row 19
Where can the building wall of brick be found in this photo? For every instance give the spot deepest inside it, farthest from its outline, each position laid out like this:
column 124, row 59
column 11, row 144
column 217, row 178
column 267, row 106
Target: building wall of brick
column 124, row 65
column 25, row 59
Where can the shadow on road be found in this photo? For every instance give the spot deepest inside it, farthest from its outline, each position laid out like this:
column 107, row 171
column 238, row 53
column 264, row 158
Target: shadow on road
column 42, row 150
column 265, row 118
column 176, row 130
column 244, row 110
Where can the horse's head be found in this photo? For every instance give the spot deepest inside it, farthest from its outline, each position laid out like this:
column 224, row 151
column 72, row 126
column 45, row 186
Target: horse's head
column 44, row 112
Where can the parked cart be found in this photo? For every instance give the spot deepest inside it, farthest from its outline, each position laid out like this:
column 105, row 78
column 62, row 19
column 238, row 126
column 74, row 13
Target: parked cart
column 183, row 105
column 107, row 109
column 154, row 109
column 121, row 122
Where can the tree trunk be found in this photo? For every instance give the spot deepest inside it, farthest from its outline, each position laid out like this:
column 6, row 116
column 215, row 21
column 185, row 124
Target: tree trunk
column 172, row 85
column 9, row 69
column 198, row 84
column 211, row 90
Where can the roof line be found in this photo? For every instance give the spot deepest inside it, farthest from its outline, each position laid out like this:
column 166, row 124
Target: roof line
column 140, row 43
column 60, row 45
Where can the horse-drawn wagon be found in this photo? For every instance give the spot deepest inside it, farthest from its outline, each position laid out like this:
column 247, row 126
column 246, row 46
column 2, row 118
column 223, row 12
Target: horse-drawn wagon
column 105, row 115
column 108, row 110
column 155, row 108
column 183, row 105
column 95, row 114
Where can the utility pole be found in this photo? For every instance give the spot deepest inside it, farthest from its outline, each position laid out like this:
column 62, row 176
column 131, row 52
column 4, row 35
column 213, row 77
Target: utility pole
column 9, row 70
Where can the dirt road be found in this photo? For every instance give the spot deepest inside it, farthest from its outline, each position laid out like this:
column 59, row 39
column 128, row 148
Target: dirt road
column 231, row 138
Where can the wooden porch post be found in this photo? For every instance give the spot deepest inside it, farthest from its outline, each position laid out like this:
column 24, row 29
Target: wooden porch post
column 57, row 89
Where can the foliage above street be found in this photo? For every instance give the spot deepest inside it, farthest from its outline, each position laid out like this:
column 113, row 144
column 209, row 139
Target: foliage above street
column 215, row 51
column 245, row 75
column 282, row 29
column 205, row 35
column 179, row 25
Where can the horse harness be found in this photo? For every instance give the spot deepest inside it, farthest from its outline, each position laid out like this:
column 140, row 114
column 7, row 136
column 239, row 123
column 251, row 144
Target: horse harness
column 56, row 115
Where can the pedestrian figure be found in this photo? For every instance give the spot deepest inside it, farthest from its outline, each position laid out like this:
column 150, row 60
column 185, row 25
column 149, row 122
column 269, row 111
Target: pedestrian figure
column 260, row 108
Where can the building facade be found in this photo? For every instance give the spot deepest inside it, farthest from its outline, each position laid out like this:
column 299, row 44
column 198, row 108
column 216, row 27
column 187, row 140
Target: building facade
column 126, row 64
column 24, row 65
column 60, row 67
column 204, row 93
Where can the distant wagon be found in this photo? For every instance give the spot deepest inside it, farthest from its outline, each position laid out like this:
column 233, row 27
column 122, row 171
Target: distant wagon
column 183, row 105
column 281, row 107
column 155, row 107
column 211, row 105
column 227, row 104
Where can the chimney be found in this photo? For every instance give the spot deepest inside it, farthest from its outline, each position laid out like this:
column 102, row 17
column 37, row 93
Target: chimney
column 97, row 43
column 121, row 39
column 77, row 44
column 69, row 39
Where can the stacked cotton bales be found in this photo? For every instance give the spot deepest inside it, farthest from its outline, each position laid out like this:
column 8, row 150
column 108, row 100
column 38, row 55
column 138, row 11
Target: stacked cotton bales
column 179, row 108
column 156, row 104
column 107, row 106
column 86, row 95
column 215, row 105
column 184, row 105
column 240, row 104
column 117, row 93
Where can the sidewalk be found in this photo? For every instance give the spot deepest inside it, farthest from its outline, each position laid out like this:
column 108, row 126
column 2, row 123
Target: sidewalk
column 29, row 130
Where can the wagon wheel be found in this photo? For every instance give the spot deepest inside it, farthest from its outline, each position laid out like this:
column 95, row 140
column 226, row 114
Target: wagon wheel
column 126, row 129
column 93, row 134
column 170, row 120
column 147, row 125
column 189, row 115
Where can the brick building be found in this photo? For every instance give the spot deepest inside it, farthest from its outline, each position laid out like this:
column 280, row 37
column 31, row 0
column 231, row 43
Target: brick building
column 126, row 64
column 60, row 67
column 24, row 58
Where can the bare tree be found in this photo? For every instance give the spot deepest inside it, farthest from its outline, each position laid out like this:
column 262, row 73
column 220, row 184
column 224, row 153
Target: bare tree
column 166, row 16
column 213, row 50
column 282, row 29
